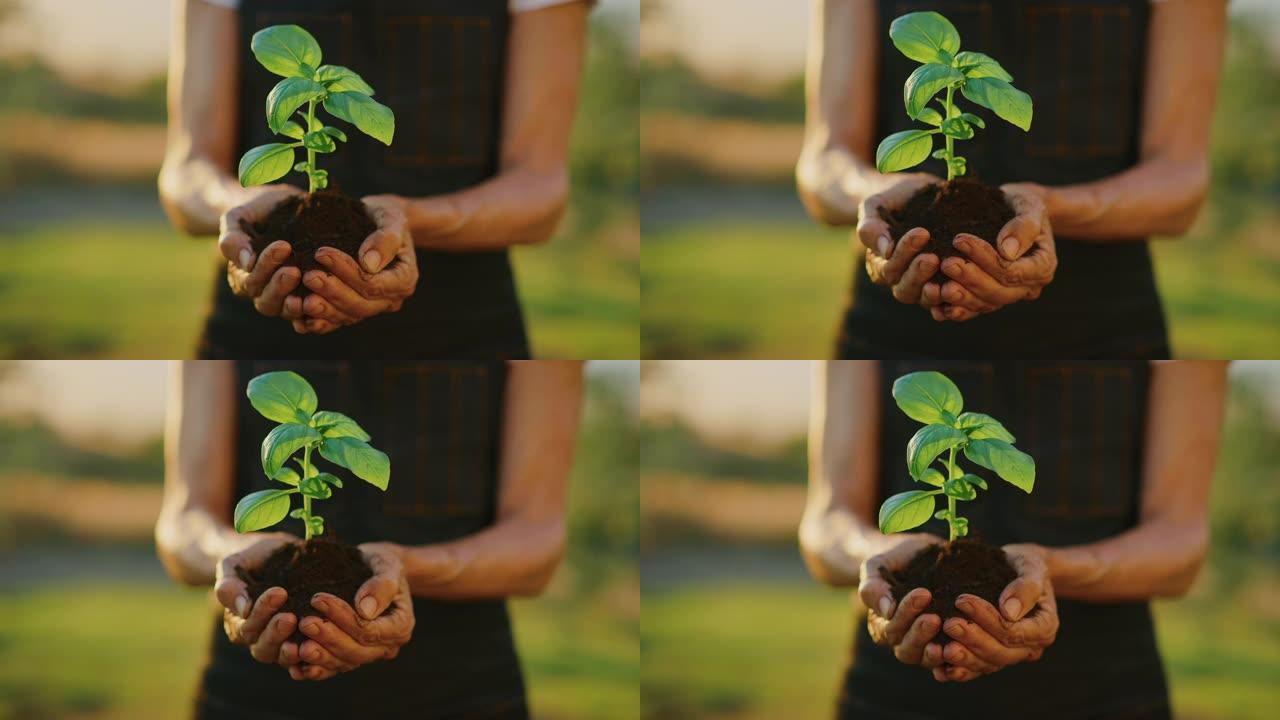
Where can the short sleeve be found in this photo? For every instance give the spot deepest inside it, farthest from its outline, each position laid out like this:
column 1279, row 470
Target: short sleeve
column 519, row 6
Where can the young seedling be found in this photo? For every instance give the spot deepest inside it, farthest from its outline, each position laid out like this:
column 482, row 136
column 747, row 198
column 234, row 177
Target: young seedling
column 929, row 38
column 289, row 400
column 931, row 398
column 292, row 52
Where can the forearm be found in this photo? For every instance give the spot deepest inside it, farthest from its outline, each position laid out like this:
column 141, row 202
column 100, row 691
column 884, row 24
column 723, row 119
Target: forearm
column 1154, row 559
column 191, row 541
column 195, row 192
column 512, row 558
column 835, row 543
column 1155, row 197
column 521, row 206
column 833, row 181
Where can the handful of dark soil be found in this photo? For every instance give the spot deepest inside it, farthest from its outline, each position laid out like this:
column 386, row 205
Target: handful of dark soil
column 304, row 569
column 309, row 222
column 949, row 571
column 963, row 205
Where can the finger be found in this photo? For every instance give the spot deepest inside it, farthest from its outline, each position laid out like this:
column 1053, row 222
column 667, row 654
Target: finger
column 981, row 284
column 908, row 249
column 320, row 327
column 341, row 295
column 316, row 307
column 908, row 610
column 273, row 256
column 959, row 314
column 316, row 654
column 931, row 295
column 396, row 281
column 958, row 655
column 376, row 594
column 959, row 674
column 236, row 246
column 300, row 327
column 937, row 314
column 1017, row 235
column 288, row 654
column 391, row 627
column 380, row 248
column 1020, row 595
column 911, row 649
column 271, row 301
column 266, row 648
column 310, row 672
column 1036, row 268
column 932, row 657
column 908, row 289
column 230, row 590
column 981, row 644
column 874, row 591
column 940, row 674
column 342, row 645
column 957, row 295
column 984, row 615
column 270, row 601
column 873, row 232
column 291, row 309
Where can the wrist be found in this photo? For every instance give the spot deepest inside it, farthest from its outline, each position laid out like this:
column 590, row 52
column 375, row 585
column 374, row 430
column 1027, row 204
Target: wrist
column 426, row 566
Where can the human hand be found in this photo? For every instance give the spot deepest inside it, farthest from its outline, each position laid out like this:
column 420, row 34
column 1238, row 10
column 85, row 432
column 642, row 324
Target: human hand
column 900, row 625
column 255, row 622
column 982, row 280
column 349, row 292
column 258, row 277
column 1026, row 624
column 343, row 640
column 898, row 265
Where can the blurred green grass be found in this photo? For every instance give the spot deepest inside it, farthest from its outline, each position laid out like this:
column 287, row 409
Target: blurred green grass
column 63, row 659
column 137, row 289
column 770, row 650
column 776, row 290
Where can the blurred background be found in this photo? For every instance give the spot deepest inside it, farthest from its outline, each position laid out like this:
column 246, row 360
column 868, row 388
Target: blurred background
column 93, row 628
column 88, row 251
column 734, row 627
column 733, row 267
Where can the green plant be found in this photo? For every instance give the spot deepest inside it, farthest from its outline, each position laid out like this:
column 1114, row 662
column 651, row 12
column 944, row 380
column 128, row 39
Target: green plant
column 289, row 400
column 931, row 398
column 929, row 38
column 291, row 52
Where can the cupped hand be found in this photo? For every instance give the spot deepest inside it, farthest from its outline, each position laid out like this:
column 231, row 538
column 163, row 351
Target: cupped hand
column 346, row 291
column 900, row 626
column 344, row 639
column 898, row 265
column 1017, row 266
column 258, row 277
column 990, row 640
column 254, row 622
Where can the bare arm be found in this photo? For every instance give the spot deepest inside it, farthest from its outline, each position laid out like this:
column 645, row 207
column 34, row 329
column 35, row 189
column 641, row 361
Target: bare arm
column 523, row 203
column 1162, row 554
column 196, row 182
column 518, row 554
column 1162, row 194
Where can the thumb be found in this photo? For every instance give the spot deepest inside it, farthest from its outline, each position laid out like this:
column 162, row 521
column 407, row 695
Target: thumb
column 1019, row 597
column 376, row 594
column 1017, row 235
column 380, row 248
column 874, row 593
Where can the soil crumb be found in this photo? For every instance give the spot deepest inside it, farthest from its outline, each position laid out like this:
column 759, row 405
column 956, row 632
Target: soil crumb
column 963, row 205
column 310, row 222
column 303, row 569
column 948, row 571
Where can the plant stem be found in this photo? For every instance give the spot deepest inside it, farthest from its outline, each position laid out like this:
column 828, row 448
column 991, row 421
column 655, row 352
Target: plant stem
column 306, row 501
column 311, row 166
column 951, row 470
column 950, row 151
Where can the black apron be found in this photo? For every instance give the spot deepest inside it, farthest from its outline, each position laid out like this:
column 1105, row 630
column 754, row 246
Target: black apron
column 440, row 65
column 1082, row 61
column 441, row 426
column 1084, row 424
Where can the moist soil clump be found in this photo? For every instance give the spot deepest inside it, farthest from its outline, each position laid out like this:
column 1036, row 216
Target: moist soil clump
column 963, row 205
column 948, row 571
column 310, row 222
column 304, row 569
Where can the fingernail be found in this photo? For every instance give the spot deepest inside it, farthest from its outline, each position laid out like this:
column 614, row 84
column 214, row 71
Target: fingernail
column 311, row 628
column 319, row 603
column 368, row 607
column 324, row 259
column 246, row 259
column 1012, row 607
column 311, row 654
column 885, row 604
column 953, row 269
column 884, row 246
column 956, row 630
column 242, row 606
column 315, row 281
column 371, row 260
column 964, row 605
column 1010, row 247
column 921, row 601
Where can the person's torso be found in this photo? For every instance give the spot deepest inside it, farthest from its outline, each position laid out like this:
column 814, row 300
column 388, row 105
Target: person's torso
column 1083, row 423
column 440, row 66
column 440, row 424
column 1083, row 63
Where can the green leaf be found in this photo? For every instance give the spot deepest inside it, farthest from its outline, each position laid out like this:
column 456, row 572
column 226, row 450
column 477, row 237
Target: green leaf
column 320, row 142
column 286, row 50
column 302, row 167
column 940, row 153
column 957, row 128
column 372, row 466
column 330, row 478
column 265, row 163
column 924, row 83
column 283, row 441
column 321, row 178
column 958, row 165
column 315, row 488
column 942, row 514
column 973, row 119
column 983, row 427
column 962, row 526
column 928, row 397
column 904, row 149
column 287, row 96
column 261, row 509
column 980, row 65
column 297, row 513
column 959, row 489
column 974, row 480
column 1011, row 464
column 339, row 79
column 928, row 443
column 1010, row 103
column 286, row 475
column 293, row 130
column 925, row 37
column 283, row 396
column 906, row 510
column 311, row 471
column 931, row 476
column 930, row 116
column 335, row 424
column 317, row 525
column 334, row 133
column 370, row 116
